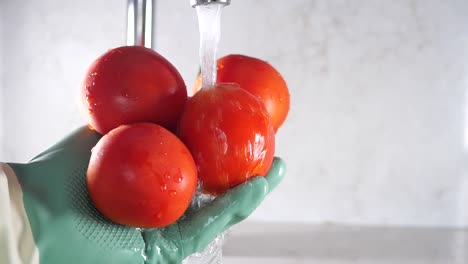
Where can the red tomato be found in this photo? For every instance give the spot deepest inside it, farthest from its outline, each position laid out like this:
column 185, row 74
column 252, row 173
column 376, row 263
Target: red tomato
column 129, row 85
column 259, row 78
column 229, row 134
column 141, row 175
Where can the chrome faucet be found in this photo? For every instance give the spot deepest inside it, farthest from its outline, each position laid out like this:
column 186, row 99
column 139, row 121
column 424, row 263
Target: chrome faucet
column 195, row 3
column 140, row 16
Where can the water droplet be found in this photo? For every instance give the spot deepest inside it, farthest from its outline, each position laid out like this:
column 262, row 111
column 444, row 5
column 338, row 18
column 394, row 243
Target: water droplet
column 94, row 74
column 164, row 187
column 172, row 192
column 179, row 178
column 89, row 100
column 167, row 176
column 165, row 153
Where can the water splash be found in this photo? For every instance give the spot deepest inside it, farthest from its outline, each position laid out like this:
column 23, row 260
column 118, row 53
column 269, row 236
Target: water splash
column 209, row 22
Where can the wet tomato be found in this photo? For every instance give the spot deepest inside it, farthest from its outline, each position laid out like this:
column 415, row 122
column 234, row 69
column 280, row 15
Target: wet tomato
column 229, row 134
column 259, row 78
column 141, row 175
column 129, row 85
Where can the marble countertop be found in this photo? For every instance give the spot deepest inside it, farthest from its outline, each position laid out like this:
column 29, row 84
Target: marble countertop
column 336, row 244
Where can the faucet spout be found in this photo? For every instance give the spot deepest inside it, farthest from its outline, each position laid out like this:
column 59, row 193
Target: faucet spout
column 195, row 3
column 140, row 16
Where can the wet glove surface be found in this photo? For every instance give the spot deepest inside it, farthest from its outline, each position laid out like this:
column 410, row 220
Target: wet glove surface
column 68, row 229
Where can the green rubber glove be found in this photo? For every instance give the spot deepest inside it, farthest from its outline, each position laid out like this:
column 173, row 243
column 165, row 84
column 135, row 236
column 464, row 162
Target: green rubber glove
column 68, row 229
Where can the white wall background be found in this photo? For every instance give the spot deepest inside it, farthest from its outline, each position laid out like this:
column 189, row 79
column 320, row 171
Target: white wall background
column 377, row 132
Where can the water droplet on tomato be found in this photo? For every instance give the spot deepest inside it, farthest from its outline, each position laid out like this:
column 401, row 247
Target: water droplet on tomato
column 89, row 100
column 94, row 74
column 164, row 187
column 179, row 176
column 172, row 192
column 167, row 176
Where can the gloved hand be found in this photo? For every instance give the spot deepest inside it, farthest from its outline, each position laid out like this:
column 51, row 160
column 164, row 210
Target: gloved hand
column 68, row 229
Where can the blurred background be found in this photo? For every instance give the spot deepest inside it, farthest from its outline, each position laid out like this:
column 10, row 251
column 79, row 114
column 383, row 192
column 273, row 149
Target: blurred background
column 377, row 134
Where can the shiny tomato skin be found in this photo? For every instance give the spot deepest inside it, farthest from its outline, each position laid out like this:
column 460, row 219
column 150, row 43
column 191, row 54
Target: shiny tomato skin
column 230, row 136
column 129, row 85
column 259, row 78
column 141, row 175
